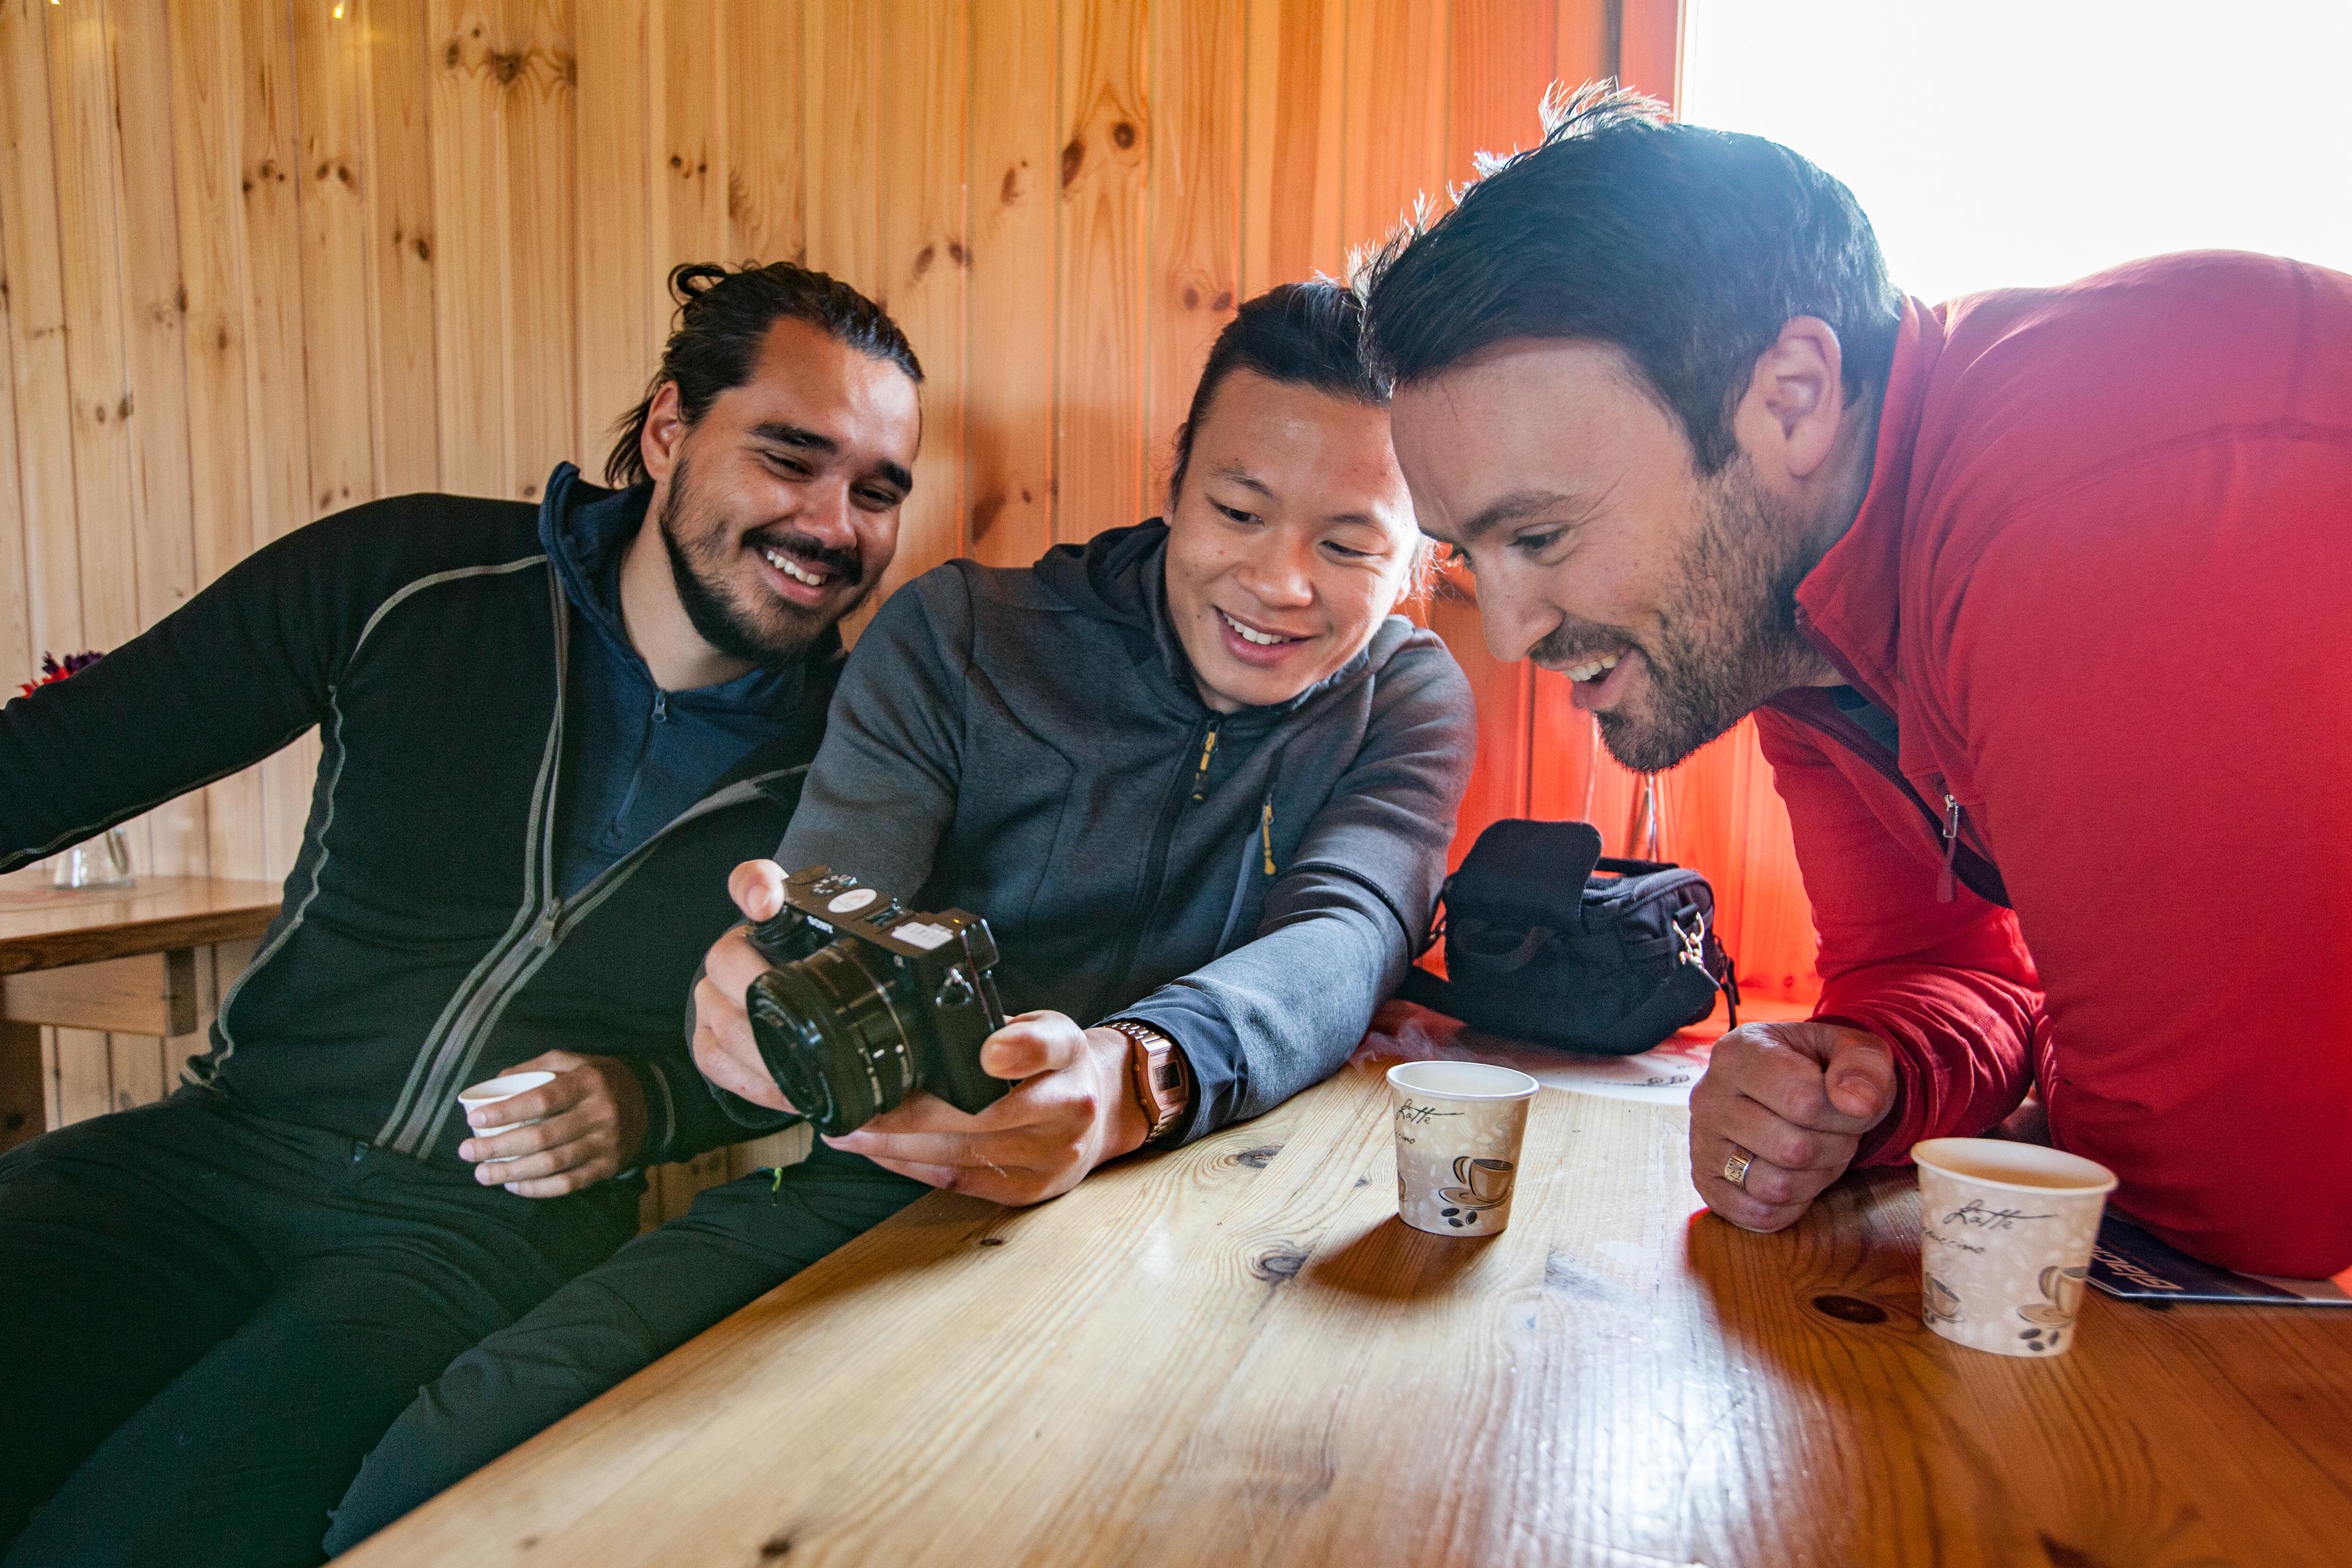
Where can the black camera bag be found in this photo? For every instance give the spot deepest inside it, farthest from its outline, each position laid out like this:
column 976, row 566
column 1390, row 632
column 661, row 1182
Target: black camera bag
column 1546, row 940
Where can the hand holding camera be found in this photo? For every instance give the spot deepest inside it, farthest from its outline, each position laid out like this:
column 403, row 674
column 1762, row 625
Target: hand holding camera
column 868, row 1001
column 1040, row 1100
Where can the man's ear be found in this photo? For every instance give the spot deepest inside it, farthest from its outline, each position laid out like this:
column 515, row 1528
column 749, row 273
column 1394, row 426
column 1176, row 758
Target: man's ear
column 664, row 429
column 1788, row 419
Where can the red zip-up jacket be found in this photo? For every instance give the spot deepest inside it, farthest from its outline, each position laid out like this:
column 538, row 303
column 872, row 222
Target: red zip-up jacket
column 2101, row 578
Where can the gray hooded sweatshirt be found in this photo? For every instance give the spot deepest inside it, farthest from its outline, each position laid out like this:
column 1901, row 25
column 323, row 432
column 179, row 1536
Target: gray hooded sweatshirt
column 1029, row 745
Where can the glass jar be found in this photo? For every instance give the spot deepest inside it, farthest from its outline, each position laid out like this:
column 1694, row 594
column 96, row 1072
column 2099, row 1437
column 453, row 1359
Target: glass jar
column 101, row 862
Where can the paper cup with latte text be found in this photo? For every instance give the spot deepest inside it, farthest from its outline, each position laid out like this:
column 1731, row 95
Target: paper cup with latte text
column 1459, row 1126
column 2005, row 1235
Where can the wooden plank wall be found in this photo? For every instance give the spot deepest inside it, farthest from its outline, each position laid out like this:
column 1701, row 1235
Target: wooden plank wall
column 266, row 258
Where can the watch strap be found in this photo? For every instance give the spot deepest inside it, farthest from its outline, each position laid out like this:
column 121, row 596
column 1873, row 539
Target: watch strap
column 1159, row 1076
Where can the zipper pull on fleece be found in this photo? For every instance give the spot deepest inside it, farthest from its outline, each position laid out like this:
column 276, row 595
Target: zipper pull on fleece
column 1201, row 775
column 1265, row 833
column 1946, row 885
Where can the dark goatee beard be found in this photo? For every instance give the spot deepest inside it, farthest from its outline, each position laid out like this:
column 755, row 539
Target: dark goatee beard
column 719, row 621
column 1728, row 643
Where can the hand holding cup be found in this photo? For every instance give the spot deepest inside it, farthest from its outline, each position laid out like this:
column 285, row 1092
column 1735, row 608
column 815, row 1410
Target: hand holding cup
column 555, row 1124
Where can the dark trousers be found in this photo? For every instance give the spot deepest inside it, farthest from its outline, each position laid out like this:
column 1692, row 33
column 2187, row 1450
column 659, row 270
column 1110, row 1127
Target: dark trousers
column 738, row 1242
column 208, row 1319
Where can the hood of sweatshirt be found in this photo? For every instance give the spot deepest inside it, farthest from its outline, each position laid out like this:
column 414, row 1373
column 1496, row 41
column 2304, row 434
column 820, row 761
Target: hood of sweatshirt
column 586, row 529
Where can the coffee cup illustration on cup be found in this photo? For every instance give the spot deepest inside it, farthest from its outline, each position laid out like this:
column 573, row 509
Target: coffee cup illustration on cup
column 2063, row 1287
column 1481, row 1183
column 2062, row 1291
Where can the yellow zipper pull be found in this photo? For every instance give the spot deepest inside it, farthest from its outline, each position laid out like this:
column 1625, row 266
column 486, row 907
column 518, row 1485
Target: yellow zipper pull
column 1265, row 833
column 1208, row 749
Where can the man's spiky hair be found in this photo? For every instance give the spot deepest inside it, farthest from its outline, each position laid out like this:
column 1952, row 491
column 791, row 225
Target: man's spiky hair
column 1686, row 249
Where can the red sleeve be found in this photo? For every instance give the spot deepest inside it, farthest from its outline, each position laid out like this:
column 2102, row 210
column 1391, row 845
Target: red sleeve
column 2154, row 674
column 1948, row 986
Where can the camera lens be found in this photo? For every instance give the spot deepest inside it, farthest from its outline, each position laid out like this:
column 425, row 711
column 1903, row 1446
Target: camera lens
column 830, row 1032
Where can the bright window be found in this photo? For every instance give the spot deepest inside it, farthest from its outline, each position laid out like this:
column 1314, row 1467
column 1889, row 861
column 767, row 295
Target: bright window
column 2027, row 141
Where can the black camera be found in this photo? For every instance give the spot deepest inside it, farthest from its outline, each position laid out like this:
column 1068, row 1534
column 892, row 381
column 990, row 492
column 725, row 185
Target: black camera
column 870, row 1001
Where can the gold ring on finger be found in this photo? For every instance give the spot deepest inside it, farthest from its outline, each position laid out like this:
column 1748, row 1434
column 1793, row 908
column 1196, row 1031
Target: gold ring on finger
column 1735, row 1169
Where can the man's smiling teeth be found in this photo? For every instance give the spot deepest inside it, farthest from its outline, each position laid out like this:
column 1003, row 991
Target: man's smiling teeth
column 796, row 571
column 1592, row 669
column 1248, row 635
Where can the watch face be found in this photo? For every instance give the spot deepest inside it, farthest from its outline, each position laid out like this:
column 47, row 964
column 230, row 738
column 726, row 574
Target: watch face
column 1159, row 1076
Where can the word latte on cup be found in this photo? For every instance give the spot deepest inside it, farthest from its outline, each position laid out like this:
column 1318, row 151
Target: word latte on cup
column 1458, row 1129
column 2005, row 1235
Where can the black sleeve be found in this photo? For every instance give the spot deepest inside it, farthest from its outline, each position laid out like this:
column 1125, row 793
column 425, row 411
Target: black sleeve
column 228, row 679
column 724, row 1116
column 686, row 1114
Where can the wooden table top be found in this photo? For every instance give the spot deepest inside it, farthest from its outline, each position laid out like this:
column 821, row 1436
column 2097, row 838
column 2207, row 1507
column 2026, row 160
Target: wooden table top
column 1238, row 1353
column 45, row 927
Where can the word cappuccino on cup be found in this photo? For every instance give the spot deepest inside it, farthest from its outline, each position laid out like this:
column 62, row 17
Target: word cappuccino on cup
column 2005, row 1236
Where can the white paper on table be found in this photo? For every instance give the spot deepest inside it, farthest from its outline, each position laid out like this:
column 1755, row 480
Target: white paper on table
column 1663, row 1075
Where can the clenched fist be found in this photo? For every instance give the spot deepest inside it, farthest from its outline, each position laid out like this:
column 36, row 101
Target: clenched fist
column 1798, row 1098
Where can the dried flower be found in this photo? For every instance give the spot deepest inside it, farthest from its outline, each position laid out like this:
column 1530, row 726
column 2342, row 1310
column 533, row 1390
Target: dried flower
column 51, row 670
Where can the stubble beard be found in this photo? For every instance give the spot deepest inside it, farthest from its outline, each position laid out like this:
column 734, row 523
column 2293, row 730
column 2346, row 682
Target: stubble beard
column 1729, row 642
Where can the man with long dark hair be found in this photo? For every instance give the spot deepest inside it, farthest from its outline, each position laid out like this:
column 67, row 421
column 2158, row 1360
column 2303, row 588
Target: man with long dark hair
column 549, row 730
column 2038, row 599
column 1196, row 775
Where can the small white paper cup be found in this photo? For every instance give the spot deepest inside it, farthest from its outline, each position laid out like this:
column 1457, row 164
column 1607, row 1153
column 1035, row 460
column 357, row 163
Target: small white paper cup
column 494, row 1090
column 1458, row 1129
column 2005, row 1235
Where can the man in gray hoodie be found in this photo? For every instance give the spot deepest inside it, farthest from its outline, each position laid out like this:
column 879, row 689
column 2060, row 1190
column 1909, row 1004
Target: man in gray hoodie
column 1198, row 780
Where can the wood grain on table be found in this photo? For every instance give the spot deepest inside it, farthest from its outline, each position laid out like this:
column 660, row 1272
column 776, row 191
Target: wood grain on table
column 42, row 928
column 1238, row 1353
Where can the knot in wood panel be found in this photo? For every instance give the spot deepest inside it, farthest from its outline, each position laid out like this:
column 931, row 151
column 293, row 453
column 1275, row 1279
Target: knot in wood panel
column 983, row 515
column 1849, row 1308
column 1257, row 1159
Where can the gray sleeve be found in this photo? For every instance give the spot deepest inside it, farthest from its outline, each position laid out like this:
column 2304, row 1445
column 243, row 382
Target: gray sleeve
column 882, row 791
column 1342, row 924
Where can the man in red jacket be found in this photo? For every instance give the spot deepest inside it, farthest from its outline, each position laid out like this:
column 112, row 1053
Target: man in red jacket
column 2042, row 600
